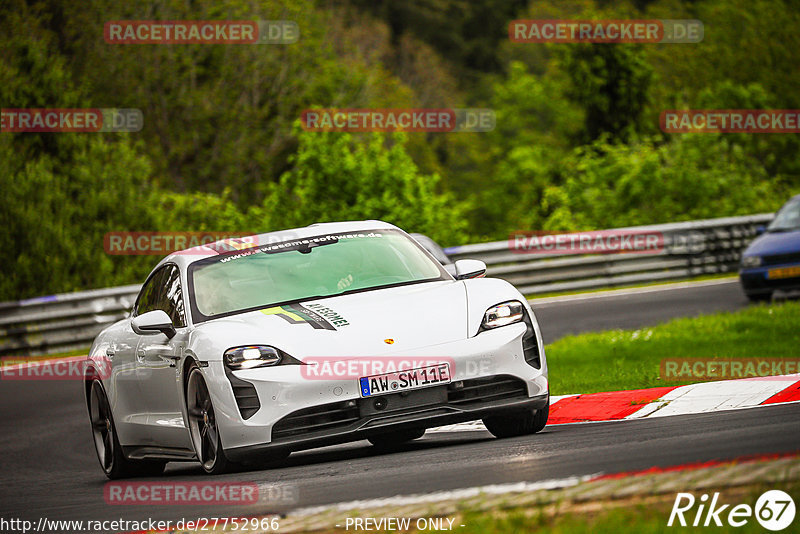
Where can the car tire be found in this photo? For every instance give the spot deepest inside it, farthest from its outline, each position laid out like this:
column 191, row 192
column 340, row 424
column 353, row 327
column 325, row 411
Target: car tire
column 203, row 428
column 109, row 451
column 393, row 439
column 519, row 424
column 759, row 297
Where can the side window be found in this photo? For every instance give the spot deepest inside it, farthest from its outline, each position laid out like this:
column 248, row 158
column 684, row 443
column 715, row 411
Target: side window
column 150, row 296
column 173, row 298
column 163, row 292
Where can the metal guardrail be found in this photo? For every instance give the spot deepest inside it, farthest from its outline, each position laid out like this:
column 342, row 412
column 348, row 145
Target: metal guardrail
column 691, row 249
column 60, row 323
column 70, row 321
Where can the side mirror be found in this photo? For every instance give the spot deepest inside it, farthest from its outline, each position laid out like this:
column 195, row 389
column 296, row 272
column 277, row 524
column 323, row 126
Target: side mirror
column 153, row 322
column 470, row 269
column 760, row 229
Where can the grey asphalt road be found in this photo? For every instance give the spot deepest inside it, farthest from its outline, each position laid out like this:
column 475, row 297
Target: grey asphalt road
column 50, row 470
column 636, row 310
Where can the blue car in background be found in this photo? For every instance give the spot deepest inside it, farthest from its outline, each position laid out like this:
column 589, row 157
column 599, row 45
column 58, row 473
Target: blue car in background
column 772, row 261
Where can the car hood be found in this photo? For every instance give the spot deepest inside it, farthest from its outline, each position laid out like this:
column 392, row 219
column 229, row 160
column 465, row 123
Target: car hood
column 372, row 323
column 774, row 243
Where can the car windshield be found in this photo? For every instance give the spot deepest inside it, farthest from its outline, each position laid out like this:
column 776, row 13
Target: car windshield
column 788, row 218
column 306, row 268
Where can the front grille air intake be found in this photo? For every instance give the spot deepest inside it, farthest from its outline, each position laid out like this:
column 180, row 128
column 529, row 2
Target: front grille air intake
column 317, row 418
column 485, row 389
column 245, row 395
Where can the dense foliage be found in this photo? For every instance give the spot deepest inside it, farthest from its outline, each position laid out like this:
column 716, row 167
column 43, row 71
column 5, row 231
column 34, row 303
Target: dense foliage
column 576, row 146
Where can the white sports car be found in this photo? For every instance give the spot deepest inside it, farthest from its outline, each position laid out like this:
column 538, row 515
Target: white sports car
column 246, row 350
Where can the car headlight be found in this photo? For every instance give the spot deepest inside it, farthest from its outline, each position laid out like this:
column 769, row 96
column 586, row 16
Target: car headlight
column 251, row 356
column 503, row 314
column 751, row 261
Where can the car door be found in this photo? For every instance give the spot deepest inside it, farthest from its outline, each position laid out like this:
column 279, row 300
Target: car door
column 158, row 360
column 122, row 388
column 125, row 394
column 133, row 426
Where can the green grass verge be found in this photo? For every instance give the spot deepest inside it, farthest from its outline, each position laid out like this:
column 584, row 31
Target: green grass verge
column 630, row 359
column 637, row 520
column 621, row 517
column 54, row 356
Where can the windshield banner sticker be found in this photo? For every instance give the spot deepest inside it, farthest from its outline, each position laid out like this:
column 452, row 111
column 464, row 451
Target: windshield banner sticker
column 299, row 314
column 300, row 245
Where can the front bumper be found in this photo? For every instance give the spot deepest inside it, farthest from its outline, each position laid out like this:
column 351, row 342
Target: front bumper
column 409, row 417
column 756, row 280
column 297, row 412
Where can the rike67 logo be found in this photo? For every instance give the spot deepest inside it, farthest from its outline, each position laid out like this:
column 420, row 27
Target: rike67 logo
column 774, row 510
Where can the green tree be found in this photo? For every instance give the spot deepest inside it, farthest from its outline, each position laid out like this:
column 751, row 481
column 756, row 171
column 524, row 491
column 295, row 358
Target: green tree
column 611, row 83
column 339, row 176
column 696, row 176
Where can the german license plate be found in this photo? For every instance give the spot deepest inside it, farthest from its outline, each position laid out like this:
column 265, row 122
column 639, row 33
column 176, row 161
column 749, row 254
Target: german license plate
column 405, row 380
column 785, row 272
